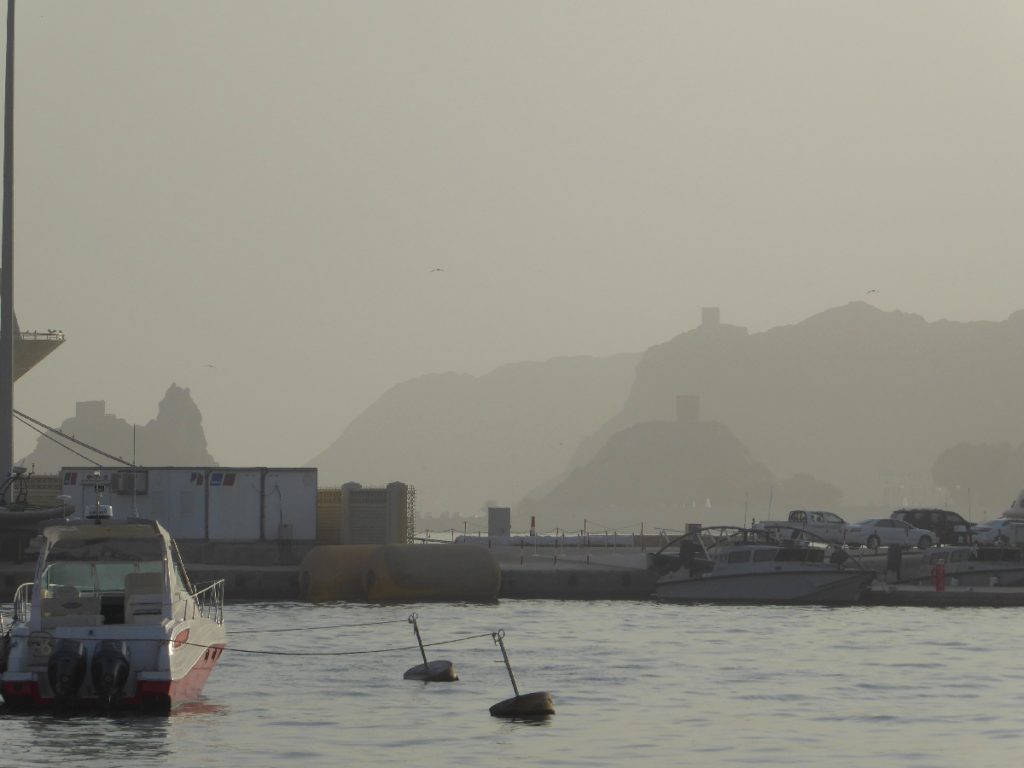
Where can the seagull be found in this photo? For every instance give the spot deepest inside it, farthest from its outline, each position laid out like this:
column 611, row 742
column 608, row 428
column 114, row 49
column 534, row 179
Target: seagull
column 210, row 365
column 437, row 269
column 873, row 290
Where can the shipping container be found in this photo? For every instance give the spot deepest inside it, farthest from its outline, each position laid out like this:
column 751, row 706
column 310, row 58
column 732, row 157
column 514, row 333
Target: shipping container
column 205, row 503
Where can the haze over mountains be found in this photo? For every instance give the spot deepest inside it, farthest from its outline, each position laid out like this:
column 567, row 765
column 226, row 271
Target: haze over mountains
column 850, row 409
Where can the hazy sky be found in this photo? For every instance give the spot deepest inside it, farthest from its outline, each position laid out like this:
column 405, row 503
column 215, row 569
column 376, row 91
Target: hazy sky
column 267, row 187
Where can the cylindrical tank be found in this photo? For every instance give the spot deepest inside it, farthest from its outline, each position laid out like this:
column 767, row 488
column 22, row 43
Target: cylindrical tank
column 432, row 572
column 335, row 572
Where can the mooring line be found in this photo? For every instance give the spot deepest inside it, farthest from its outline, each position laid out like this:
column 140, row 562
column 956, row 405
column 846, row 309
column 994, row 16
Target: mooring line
column 342, row 653
column 307, row 629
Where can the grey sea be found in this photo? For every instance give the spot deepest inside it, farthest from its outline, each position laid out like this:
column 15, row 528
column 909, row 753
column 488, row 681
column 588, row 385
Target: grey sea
column 633, row 683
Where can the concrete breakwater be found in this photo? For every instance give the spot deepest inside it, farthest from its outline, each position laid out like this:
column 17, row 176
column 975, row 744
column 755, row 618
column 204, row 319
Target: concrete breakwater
column 452, row 572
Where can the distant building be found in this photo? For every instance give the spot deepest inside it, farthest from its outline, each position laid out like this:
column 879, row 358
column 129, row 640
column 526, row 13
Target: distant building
column 355, row 514
column 197, row 503
column 90, row 410
column 710, row 317
column 499, row 521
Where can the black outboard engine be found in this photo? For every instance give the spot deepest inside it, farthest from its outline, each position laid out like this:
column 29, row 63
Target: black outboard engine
column 66, row 671
column 109, row 669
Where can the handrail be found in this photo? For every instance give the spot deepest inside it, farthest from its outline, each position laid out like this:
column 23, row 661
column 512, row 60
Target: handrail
column 208, row 602
column 23, row 602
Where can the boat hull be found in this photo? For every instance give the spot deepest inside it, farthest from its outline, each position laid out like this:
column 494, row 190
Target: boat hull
column 177, row 678
column 807, row 587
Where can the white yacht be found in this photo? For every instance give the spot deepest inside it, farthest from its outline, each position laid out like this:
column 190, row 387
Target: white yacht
column 111, row 620
column 730, row 564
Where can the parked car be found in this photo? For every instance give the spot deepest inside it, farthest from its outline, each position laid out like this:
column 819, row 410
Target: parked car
column 827, row 525
column 948, row 527
column 1001, row 532
column 884, row 532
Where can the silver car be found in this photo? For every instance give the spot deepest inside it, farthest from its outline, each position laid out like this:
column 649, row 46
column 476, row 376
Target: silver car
column 1002, row 532
column 884, row 531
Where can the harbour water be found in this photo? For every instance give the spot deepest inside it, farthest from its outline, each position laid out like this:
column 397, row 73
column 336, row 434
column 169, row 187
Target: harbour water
column 634, row 683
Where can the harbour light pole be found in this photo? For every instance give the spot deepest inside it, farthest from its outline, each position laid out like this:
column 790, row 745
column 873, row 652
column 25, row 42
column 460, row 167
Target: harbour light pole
column 7, row 267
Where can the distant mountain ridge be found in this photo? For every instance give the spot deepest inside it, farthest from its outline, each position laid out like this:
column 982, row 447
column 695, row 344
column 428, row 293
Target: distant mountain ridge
column 854, row 403
column 856, row 396
column 464, row 440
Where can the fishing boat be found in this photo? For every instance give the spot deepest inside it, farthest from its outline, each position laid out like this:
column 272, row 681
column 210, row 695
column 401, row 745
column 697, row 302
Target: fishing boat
column 111, row 620
column 731, row 564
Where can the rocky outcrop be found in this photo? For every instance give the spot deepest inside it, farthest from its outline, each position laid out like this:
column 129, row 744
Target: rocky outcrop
column 174, row 438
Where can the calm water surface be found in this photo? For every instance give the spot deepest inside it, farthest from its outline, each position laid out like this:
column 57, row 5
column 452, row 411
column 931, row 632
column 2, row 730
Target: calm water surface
column 633, row 683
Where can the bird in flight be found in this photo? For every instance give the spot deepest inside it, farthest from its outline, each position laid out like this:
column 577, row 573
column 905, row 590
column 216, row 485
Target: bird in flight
column 437, row 269
column 873, row 290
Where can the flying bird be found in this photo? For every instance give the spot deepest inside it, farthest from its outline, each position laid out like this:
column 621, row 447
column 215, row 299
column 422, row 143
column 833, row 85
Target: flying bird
column 873, row 290
column 437, row 269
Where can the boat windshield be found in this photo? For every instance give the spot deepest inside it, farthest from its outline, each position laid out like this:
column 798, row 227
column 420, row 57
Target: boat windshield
column 100, row 565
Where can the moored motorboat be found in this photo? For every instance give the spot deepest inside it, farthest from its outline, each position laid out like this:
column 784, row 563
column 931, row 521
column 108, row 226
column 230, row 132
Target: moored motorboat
column 730, row 564
column 970, row 565
column 110, row 620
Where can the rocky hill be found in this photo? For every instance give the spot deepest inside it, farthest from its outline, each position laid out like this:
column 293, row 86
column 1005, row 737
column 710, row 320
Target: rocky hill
column 854, row 404
column 466, row 441
column 174, row 438
column 859, row 398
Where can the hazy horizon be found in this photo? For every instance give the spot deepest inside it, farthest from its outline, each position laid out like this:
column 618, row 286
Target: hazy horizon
column 269, row 189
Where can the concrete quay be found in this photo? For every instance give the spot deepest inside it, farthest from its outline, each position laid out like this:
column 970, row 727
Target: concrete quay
column 558, row 573
column 950, row 597
column 599, row 573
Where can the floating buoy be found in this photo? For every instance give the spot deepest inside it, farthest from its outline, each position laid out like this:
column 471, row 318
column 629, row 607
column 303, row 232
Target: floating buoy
column 527, row 705
column 429, row 671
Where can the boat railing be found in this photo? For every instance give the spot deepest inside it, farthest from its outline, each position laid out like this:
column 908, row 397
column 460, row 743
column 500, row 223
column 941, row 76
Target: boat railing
column 23, row 602
column 208, row 601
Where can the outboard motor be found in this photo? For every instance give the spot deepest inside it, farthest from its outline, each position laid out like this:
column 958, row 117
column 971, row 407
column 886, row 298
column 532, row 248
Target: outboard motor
column 109, row 669
column 66, row 670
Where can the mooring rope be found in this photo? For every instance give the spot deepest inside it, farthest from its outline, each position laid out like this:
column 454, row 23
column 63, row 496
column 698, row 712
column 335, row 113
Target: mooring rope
column 343, row 653
column 327, row 626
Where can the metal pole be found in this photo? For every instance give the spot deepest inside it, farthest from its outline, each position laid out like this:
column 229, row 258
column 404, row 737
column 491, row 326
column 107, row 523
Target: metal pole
column 416, row 629
column 7, row 267
column 498, row 638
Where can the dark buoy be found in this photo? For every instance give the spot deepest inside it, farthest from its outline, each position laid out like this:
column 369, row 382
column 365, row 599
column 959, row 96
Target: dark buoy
column 527, row 705
column 429, row 671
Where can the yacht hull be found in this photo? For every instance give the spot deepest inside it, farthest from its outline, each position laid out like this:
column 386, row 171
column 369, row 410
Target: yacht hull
column 808, row 587
column 151, row 691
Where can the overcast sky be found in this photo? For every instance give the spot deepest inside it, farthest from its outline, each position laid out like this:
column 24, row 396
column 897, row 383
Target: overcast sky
column 268, row 187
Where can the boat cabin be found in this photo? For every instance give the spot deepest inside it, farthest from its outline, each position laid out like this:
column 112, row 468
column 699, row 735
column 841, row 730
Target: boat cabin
column 114, row 573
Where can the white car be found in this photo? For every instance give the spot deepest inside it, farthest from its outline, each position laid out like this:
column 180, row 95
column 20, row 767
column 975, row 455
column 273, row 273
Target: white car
column 884, row 531
column 1001, row 532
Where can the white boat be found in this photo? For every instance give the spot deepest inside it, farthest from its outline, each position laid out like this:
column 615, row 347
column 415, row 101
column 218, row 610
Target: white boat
column 111, row 620
column 970, row 565
column 729, row 564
